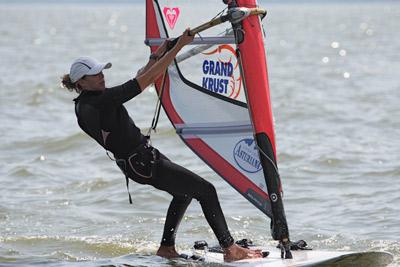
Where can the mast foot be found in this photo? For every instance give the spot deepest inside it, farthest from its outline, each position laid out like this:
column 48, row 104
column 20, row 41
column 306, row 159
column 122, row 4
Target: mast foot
column 285, row 249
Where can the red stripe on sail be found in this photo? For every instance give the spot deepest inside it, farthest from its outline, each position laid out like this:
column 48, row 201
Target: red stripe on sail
column 152, row 31
column 167, row 104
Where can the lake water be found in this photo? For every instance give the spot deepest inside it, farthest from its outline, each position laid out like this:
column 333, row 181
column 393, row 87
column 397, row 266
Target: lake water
column 335, row 89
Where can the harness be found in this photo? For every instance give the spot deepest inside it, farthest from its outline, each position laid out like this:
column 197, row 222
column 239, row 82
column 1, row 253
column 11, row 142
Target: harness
column 140, row 162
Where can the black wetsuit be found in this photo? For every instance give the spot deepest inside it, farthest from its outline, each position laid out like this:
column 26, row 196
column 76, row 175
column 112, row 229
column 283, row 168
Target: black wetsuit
column 102, row 116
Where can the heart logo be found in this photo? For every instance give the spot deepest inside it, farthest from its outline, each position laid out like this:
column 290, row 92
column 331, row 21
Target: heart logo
column 171, row 15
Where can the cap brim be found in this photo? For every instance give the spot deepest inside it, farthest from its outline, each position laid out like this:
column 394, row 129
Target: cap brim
column 99, row 68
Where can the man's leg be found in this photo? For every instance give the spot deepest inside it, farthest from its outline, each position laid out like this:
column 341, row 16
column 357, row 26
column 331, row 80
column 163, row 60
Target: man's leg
column 175, row 214
column 177, row 180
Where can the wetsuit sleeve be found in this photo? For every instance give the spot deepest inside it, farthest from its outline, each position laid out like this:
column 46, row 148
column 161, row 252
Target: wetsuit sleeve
column 120, row 94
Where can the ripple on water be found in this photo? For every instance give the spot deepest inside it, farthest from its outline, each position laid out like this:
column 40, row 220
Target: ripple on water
column 76, row 248
column 20, row 171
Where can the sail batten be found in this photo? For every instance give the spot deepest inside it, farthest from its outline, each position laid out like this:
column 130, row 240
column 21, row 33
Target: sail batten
column 197, row 40
column 214, row 128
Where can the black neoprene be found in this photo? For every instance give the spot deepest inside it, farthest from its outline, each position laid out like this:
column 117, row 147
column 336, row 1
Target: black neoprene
column 102, row 116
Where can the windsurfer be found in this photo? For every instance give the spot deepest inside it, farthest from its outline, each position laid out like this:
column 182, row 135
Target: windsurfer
column 101, row 114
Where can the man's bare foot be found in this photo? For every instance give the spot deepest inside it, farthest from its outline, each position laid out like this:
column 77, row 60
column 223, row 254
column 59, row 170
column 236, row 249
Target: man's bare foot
column 235, row 253
column 167, row 252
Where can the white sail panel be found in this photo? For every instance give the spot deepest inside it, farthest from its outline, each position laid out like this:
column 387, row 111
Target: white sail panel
column 205, row 100
column 201, row 111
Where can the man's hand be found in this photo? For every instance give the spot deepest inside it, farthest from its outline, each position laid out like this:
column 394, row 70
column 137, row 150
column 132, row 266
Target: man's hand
column 162, row 49
column 185, row 38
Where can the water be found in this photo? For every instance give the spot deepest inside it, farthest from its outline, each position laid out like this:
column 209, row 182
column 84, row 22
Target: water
column 335, row 93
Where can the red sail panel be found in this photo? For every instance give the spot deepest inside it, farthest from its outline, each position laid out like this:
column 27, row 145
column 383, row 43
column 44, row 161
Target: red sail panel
column 256, row 73
column 253, row 58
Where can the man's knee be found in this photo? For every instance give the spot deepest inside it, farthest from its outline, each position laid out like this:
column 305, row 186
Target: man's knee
column 182, row 200
column 207, row 191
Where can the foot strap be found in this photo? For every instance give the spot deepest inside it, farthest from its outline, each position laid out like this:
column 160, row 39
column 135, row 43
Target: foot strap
column 193, row 257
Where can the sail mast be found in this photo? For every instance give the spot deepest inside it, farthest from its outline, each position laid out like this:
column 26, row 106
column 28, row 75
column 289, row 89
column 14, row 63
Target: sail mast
column 251, row 54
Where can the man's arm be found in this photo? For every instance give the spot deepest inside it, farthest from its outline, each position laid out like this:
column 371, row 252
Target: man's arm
column 145, row 78
column 157, row 54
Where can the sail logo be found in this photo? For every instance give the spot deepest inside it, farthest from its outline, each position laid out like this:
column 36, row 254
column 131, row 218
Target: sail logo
column 171, row 15
column 246, row 156
column 219, row 72
column 223, row 70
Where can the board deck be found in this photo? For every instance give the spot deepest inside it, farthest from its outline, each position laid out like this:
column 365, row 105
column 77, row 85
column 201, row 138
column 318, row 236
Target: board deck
column 302, row 258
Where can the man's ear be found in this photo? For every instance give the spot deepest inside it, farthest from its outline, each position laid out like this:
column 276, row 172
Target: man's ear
column 78, row 85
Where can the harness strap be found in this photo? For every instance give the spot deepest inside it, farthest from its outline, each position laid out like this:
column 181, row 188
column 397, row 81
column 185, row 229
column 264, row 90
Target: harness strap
column 126, row 178
column 127, row 188
column 125, row 172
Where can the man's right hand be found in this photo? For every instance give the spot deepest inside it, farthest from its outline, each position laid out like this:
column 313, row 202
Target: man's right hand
column 185, row 38
column 162, row 49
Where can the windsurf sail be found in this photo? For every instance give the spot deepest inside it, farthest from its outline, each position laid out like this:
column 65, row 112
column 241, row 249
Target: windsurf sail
column 216, row 95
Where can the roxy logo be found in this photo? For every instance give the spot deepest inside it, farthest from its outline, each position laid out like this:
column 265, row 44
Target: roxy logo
column 245, row 154
column 171, row 15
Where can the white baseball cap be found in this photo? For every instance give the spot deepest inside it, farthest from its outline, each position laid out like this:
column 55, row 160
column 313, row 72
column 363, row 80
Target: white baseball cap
column 86, row 66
